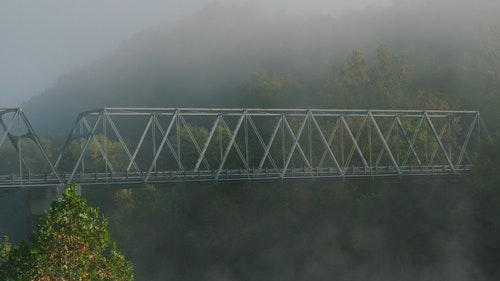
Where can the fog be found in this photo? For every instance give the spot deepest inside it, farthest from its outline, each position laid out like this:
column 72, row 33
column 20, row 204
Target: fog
column 43, row 40
column 198, row 55
column 60, row 58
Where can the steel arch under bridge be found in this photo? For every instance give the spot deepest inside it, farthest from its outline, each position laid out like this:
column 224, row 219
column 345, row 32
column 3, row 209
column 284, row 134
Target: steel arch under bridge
column 161, row 145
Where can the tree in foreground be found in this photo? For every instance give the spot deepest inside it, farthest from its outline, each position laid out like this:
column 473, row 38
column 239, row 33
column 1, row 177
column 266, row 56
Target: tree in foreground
column 71, row 243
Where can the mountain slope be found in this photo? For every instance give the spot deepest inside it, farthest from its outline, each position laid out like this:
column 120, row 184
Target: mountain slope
column 202, row 60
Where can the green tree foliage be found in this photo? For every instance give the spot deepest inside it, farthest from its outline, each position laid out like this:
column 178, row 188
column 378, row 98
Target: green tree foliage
column 4, row 248
column 184, row 144
column 31, row 154
column 353, row 80
column 392, row 76
column 429, row 101
column 271, row 90
column 71, row 243
column 359, row 85
column 485, row 191
column 94, row 155
column 353, row 230
column 492, row 45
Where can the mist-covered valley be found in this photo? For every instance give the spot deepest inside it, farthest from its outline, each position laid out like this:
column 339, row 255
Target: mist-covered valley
column 210, row 58
column 407, row 55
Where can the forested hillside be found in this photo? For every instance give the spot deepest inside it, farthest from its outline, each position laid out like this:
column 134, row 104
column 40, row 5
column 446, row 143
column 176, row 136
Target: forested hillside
column 247, row 57
column 411, row 55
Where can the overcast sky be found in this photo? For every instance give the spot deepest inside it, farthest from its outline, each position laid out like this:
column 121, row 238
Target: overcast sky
column 42, row 40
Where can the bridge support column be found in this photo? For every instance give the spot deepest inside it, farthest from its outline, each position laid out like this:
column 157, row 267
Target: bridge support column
column 38, row 200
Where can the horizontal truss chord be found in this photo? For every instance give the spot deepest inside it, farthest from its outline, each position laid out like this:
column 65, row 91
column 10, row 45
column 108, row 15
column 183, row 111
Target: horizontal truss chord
column 163, row 145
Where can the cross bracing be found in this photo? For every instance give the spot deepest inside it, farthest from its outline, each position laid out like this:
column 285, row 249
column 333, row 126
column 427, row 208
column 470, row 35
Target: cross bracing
column 161, row 145
column 158, row 145
column 23, row 158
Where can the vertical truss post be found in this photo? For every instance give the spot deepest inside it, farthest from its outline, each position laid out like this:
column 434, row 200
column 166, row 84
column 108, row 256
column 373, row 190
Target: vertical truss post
column 342, row 142
column 327, row 146
column 124, row 146
column 266, row 150
column 269, row 143
column 384, row 143
column 386, row 139
column 336, row 129
column 6, row 128
column 105, row 133
column 153, row 138
column 412, row 142
column 87, row 142
column 15, row 140
column 100, row 148
column 178, row 135
column 193, row 139
column 82, row 165
column 40, row 147
column 139, row 145
column 160, row 148
column 245, row 127
column 67, row 141
column 409, row 142
column 20, row 117
column 20, row 155
column 296, row 139
column 309, row 129
column 205, row 146
column 482, row 126
column 230, row 145
column 220, row 140
column 435, row 151
column 438, row 139
column 370, row 144
column 236, row 146
column 169, row 144
column 295, row 144
column 355, row 142
column 283, row 146
column 330, row 141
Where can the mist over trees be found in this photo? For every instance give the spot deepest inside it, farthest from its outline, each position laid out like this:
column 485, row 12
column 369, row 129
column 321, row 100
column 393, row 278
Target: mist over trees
column 411, row 55
column 212, row 58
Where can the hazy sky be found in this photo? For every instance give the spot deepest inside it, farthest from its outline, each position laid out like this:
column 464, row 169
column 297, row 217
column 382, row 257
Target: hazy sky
column 42, row 40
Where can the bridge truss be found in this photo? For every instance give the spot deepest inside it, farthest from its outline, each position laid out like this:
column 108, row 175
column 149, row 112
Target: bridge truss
column 161, row 145
column 145, row 145
column 23, row 158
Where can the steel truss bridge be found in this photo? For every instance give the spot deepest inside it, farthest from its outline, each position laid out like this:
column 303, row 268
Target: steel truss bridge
column 161, row 145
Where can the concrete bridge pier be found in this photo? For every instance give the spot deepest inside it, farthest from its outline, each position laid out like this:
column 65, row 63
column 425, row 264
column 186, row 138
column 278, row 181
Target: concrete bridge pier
column 38, row 200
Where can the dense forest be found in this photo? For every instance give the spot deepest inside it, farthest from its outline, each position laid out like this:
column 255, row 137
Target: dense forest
column 408, row 56
column 240, row 56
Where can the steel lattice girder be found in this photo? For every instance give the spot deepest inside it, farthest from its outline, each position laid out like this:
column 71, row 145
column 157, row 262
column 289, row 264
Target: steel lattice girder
column 17, row 134
column 182, row 144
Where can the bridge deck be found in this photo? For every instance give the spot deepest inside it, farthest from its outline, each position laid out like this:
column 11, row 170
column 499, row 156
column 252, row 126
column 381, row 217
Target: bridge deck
column 239, row 175
column 163, row 145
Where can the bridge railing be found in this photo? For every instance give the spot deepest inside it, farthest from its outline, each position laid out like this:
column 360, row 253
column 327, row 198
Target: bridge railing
column 180, row 176
column 154, row 145
column 22, row 153
column 147, row 142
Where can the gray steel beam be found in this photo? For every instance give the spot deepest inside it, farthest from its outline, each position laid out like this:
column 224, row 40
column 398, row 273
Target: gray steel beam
column 438, row 139
column 230, row 144
column 263, row 126
column 384, row 143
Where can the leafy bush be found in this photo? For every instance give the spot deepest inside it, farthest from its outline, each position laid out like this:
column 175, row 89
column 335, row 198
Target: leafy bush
column 71, row 243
